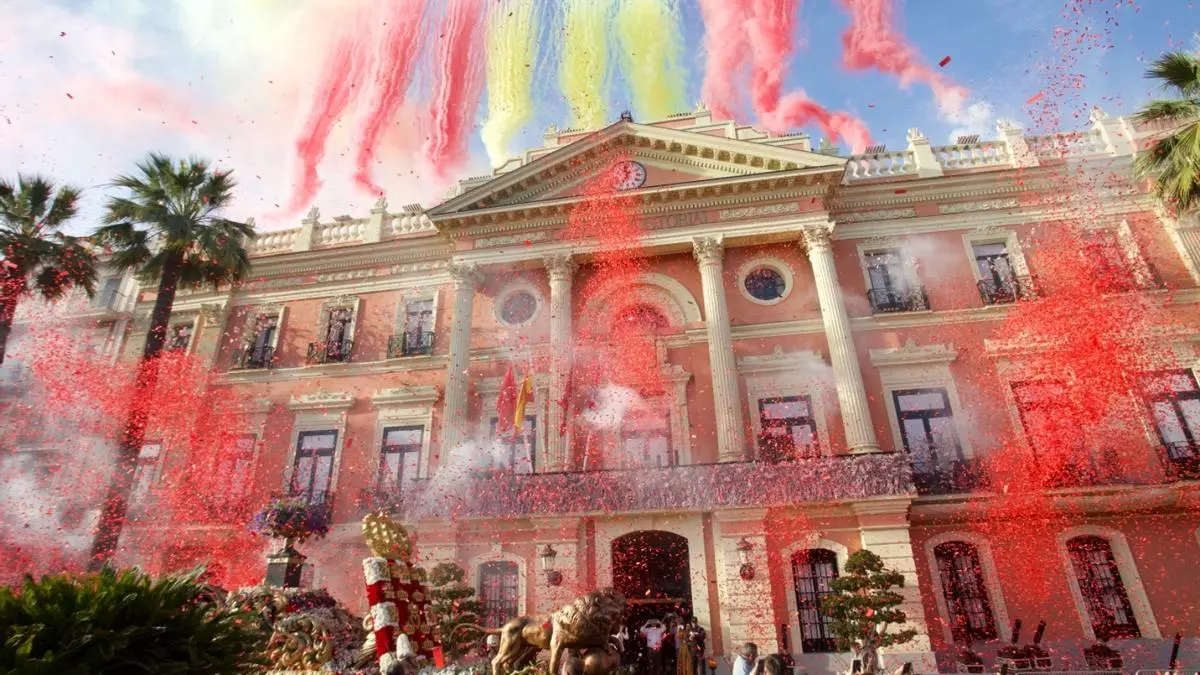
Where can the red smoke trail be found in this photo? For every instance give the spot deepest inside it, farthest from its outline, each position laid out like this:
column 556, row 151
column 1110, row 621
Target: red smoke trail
column 398, row 55
column 762, row 30
column 725, row 42
column 458, row 86
column 872, row 41
column 343, row 73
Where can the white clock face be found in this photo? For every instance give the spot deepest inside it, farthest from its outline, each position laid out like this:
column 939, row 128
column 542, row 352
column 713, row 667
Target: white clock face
column 628, row 175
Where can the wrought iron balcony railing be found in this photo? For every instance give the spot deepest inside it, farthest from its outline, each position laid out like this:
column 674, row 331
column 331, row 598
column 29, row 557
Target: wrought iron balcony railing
column 254, row 357
column 1012, row 289
column 329, row 352
column 410, row 344
column 1182, row 460
column 964, row 475
column 891, row 300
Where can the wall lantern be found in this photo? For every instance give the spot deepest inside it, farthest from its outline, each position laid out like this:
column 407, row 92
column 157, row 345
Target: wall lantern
column 547, row 556
column 747, row 569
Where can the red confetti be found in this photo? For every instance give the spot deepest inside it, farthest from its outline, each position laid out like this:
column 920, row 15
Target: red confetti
column 901, row 191
column 944, row 61
column 1035, row 98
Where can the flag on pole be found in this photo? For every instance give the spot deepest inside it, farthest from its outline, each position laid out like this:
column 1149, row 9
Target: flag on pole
column 523, row 395
column 506, row 404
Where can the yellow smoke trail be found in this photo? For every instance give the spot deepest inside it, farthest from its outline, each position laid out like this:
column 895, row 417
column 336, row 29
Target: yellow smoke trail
column 650, row 46
column 583, row 73
column 511, row 50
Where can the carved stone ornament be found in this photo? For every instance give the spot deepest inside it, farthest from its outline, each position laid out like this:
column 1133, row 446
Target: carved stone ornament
column 911, row 353
column 464, row 274
column 560, row 266
column 313, row 215
column 708, row 250
column 818, row 237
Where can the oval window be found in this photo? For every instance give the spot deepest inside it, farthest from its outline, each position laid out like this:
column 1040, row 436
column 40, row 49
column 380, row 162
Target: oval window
column 765, row 283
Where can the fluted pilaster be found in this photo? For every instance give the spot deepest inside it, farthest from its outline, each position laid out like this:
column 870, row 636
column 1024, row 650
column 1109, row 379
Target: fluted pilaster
column 852, row 395
column 454, row 425
column 731, row 435
column 561, row 270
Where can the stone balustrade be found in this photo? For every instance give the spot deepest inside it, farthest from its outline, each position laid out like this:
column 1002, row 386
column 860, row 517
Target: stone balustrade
column 340, row 232
column 973, row 155
column 882, row 165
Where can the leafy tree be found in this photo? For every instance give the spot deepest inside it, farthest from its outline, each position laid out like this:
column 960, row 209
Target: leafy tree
column 34, row 254
column 864, row 605
column 166, row 227
column 122, row 623
column 1173, row 157
column 452, row 602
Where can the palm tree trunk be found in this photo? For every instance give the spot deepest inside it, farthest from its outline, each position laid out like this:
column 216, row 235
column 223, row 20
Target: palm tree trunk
column 116, row 502
column 10, row 292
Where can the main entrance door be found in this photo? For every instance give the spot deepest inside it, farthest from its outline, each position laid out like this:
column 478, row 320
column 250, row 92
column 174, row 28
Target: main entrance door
column 650, row 568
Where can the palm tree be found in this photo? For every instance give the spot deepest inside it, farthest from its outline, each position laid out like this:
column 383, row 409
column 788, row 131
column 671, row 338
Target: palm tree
column 166, row 227
column 33, row 251
column 1173, row 157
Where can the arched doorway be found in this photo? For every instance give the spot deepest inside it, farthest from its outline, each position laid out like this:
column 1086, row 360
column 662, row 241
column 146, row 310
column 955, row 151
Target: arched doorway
column 650, row 568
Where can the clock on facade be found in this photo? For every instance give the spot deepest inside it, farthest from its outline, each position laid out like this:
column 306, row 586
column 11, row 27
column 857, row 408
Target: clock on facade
column 628, row 175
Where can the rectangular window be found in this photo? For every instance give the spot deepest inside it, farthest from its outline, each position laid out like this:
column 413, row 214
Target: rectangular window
column 966, row 594
column 179, row 336
column 499, row 585
column 891, row 290
column 260, row 353
column 338, row 345
column 109, row 293
column 927, row 428
column 1109, row 262
column 997, row 281
column 145, row 473
column 1174, row 400
column 515, row 452
column 812, row 570
column 235, row 471
column 646, row 441
column 418, row 328
column 1102, row 589
column 312, row 474
column 401, row 457
column 789, row 429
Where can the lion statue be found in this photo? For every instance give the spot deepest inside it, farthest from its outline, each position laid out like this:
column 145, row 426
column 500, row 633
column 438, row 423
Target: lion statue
column 586, row 624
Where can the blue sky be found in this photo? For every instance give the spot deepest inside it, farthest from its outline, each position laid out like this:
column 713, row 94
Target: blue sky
column 88, row 86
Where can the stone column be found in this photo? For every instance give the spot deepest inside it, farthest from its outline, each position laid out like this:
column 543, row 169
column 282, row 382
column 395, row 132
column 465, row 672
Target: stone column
column 561, row 270
column 454, row 425
column 731, row 433
column 852, row 395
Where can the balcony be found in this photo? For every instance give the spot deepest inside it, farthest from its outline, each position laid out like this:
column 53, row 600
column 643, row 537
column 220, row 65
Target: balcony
column 1182, row 459
column 697, row 486
column 250, row 358
column 320, row 503
column 1125, row 280
column 964, row 475
column 1020, row 287
column 329, row 352
column 892, row 300
column 410, row 344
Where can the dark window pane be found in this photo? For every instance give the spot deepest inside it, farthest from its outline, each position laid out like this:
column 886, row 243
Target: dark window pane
column 765, row 284
column 812, row 570
column 965, row 591
column 1102, row 589
column 498, row 592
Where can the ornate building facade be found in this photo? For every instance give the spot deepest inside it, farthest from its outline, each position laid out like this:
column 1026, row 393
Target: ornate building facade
column 822, row 329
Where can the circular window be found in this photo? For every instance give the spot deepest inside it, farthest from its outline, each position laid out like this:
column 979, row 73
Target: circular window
column 518, row 308
column 765, row 284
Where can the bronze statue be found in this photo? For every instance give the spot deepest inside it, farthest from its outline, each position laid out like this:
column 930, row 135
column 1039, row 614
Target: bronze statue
column 586, row 625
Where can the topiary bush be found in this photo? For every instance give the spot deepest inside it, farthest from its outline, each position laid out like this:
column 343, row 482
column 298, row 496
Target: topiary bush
column 124, row 622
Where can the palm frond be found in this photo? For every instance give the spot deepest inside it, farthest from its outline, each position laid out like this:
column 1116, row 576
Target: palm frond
column 1179, row 71
column 1168, row 109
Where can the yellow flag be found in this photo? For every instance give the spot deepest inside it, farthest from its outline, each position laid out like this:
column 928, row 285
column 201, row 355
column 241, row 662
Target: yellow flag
column 523, row 395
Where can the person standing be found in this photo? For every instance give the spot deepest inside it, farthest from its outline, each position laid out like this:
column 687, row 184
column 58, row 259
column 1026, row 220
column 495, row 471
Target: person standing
column 746, row 659
column 684, row 651
column 654, row 630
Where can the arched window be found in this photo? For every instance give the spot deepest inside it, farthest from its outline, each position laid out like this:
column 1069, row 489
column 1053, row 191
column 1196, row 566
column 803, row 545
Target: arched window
column 812, row 570
column 971, row 616
column 642, row 318
column 499, row 584
column 1103, row 591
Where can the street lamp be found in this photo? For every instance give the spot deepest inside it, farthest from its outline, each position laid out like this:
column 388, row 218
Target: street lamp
column 747, row 569
column 547, row 556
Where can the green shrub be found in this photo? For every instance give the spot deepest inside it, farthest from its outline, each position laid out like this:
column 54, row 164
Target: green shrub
column 126, row 623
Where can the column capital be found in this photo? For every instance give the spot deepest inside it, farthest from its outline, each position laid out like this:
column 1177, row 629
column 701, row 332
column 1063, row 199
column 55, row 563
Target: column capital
column 560, row 265
column 818, row 237
column 464, row 274
column 708, row 250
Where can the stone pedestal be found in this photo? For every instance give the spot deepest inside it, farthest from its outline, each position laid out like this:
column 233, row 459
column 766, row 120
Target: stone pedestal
column 285, row 567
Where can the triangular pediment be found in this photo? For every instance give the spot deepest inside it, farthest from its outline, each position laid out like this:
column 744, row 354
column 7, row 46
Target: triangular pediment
column 669, row 156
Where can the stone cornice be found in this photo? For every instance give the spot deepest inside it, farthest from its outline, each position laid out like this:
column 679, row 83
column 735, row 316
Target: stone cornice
column 776, row 361
column 911, row 354
column 405, row 397
column 322, row 400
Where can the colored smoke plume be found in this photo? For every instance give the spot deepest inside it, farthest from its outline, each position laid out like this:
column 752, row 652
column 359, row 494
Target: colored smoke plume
column 398, row 52
column 649, row 35
column 344, row 71
column 458, row 85
column 872, row 41
column 511, row 57
column 726, row 45
column 583, row 73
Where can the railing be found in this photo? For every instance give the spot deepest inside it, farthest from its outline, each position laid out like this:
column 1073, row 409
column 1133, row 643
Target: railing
column 1019, row 287
column 964, row 475
column 410, row 344
column 249, row 358
column 973, row 155
column 889, row 300
column 329, row 352
column 462, row 493
column 280, row 241
column 881, row 165
column 339, row 232
column 1070, row 144
column 321, row 500
column 1182, row 460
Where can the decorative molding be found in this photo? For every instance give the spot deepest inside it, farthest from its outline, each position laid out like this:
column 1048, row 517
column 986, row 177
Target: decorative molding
column 885, row 214
column 406, row 397
column 708, row 250
column 818, row 237
column 911, row 354
column 511, row 239
column 752, row 211
column 778, row 360
column 560, row 265
column 464, row 274
column 322, row 400
column 971, row 207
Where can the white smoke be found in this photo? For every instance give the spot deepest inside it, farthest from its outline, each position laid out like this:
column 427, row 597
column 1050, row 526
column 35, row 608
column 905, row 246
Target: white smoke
column 613, row 403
